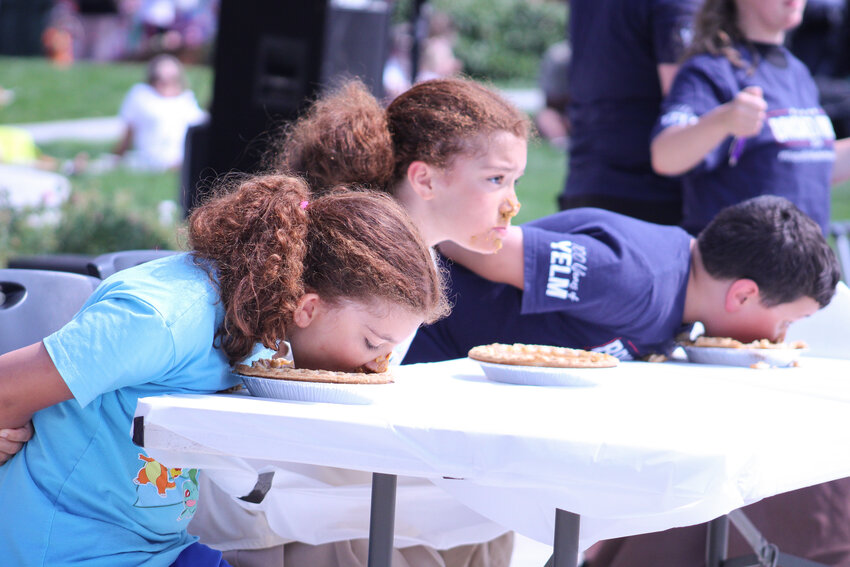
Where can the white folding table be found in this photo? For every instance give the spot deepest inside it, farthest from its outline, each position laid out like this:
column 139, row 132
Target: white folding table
column 650, row 447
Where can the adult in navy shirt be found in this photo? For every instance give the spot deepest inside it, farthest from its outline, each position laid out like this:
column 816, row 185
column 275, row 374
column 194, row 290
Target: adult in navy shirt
column 743, row 117
column 593, row 279
column 625, row 54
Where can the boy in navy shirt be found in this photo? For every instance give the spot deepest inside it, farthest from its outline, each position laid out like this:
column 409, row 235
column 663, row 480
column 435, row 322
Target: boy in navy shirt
column 597, row 280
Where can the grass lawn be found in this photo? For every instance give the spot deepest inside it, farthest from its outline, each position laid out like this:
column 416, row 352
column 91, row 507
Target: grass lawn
column 44, row 92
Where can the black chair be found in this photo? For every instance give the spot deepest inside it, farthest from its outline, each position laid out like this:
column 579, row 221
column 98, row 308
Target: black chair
column 105, row 265
column 35, row 303
column 76, row 263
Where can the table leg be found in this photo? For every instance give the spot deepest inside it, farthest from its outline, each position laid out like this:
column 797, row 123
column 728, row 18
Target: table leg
column 382, row 520
column 718, row 542
column 566, row 539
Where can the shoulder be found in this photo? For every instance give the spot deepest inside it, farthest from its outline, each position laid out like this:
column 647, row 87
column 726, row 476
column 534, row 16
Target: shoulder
column 705, row 63
column 705, row 72
column 610, row 235
column 800, row 70
column 176, row 288
column 140, row 91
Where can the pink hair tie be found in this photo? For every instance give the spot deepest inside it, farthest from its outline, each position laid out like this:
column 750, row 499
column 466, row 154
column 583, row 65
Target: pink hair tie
column 304, row 205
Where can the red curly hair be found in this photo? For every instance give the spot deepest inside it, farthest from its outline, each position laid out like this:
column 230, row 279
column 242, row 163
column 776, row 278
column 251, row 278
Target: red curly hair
column 265, row 247
column 347, row 137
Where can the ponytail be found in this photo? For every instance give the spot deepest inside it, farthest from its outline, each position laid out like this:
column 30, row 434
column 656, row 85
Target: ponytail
column 347, row 138
column 342, row 139
column 255, row 235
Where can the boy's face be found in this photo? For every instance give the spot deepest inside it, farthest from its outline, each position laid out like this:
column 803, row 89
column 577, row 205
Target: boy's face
column 752, row 320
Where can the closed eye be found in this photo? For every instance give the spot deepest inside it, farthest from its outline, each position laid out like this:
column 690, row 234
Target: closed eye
column 371, row 346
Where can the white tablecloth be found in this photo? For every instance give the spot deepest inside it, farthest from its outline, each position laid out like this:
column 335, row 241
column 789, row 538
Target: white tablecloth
column 655, row 446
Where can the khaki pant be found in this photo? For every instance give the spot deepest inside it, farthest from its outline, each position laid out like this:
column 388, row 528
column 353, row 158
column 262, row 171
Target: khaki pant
column 355, row 553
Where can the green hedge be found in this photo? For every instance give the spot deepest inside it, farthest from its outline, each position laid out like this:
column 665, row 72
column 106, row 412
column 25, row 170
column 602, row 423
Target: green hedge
column 504, row 40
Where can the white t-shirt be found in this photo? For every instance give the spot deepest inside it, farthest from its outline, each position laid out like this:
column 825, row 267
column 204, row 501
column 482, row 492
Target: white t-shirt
column 159, row 125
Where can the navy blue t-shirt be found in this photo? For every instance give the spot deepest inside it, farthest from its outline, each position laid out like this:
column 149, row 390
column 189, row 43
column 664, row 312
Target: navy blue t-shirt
column 615, row 95
column 594, row 279
column 793, row 154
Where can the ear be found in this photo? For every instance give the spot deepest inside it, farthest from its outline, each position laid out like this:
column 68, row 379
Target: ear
column 420, row 176
column 306, row 310
column 741, row 293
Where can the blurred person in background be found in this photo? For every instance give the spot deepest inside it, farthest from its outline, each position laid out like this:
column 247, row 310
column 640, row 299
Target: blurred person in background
column 552, row 121
column 624, row 58
column 398, row 68
column 104, row 27
column 743, row 117
column 437, row 60
column 156, row 115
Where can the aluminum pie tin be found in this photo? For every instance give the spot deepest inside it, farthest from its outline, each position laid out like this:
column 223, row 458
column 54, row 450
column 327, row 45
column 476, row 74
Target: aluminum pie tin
column 544, row 375
column 301, row 391
column 777, row 357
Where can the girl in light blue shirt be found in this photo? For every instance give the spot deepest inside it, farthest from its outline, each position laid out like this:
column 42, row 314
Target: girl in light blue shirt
column 267, row 263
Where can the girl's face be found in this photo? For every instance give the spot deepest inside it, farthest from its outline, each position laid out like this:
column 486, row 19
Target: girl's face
column 349, row 334
column 475, row 196
column 768, row 20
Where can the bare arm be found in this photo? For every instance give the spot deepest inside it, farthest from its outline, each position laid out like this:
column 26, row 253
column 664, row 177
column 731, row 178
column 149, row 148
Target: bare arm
column 505, row 266
column 679, row 148
column 841, row 169
column 666, row 74
column 28, row 382
column 125, row 142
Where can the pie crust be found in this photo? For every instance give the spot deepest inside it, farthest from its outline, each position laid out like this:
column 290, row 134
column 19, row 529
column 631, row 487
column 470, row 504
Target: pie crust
column 265, row 368
column 541, row 355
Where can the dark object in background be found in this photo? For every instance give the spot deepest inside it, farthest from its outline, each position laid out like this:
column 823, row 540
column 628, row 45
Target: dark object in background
column 21, row 24
column 36, row 303
column 272, row 57
column 74, row 263
column 821, row 41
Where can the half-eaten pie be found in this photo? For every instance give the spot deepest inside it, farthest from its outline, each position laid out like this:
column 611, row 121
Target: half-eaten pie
column 726, row 342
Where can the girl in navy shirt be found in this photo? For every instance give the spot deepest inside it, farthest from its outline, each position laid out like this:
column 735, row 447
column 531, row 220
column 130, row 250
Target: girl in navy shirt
column 742, row 118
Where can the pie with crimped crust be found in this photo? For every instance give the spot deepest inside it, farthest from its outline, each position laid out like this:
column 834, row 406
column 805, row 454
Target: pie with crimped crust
column 519, row 354
column 270, row 368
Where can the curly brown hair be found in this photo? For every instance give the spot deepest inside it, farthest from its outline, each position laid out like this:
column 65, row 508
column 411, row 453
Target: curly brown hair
column 716, row 31
column 342, row 138
column 347, row 137
column 435, row 121
column 265, row 247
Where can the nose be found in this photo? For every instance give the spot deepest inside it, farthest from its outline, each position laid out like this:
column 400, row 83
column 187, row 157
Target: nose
column 509, row 208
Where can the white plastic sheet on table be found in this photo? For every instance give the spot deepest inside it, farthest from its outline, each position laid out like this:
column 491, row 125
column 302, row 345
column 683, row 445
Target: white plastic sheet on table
column 657, row 446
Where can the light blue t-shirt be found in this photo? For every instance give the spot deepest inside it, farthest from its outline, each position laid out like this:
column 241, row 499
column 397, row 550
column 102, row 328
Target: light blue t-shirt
column 80, row 492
